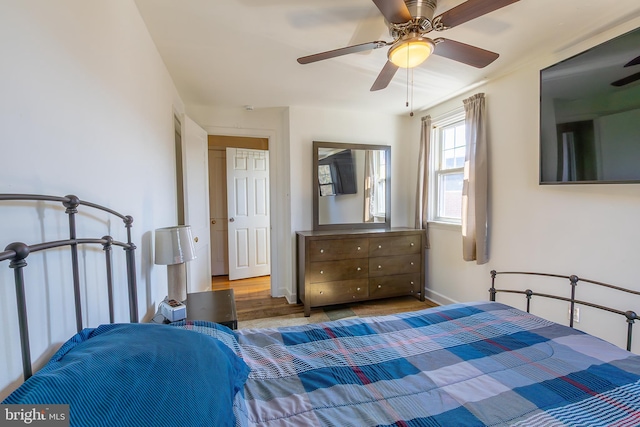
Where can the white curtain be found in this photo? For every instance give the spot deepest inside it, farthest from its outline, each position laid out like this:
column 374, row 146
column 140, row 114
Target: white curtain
column 422, row 193
column 475, row 186
column 370, row 185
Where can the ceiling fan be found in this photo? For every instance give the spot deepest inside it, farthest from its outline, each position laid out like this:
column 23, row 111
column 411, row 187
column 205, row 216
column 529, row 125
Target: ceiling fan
column 409, row 21
column 629, row 79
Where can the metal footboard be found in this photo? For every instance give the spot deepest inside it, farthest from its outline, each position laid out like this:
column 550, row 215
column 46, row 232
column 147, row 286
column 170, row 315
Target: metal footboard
column 18, row 252
column 630, row 315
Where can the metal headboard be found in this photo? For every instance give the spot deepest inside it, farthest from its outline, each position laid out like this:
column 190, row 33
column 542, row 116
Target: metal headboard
column 631, row 316
column 17, row 253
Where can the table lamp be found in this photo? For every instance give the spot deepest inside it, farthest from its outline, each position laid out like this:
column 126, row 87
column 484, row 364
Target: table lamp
column 174, row 247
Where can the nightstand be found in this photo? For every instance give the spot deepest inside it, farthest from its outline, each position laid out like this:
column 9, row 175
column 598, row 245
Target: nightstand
column 213, row 306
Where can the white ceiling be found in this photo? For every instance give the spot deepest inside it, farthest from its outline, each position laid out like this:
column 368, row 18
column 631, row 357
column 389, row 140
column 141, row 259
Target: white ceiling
column 234, row 53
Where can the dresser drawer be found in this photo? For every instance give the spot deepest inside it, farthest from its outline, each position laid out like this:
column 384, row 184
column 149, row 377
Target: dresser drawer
column 391, row 265
column 389, row 286
column 338, row 292
column 346, row 269
column 395, row 245
column 333, row 249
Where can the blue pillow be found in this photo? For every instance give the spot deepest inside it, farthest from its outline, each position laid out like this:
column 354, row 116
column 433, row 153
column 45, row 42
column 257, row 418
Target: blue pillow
column 140, row 374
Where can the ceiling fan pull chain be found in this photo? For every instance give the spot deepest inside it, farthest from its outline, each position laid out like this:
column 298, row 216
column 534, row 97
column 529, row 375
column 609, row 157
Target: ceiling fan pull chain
column 407, row 99
column 411, row 112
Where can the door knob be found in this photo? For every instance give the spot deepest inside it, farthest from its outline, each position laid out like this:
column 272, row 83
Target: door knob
column 213, row 221
column 231, row 219
column 195, row 239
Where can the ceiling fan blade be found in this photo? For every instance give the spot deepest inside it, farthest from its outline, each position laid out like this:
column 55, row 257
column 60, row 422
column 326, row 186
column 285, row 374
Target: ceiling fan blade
column 467, row 11
column 461, row 52
column 625, row 81
column 394, row 11
column 385, row 76
column 342, row 51
column 371, row 27
column 634, row 61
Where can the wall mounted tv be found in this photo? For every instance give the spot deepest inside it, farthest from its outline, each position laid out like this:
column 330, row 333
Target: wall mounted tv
column 590, row 115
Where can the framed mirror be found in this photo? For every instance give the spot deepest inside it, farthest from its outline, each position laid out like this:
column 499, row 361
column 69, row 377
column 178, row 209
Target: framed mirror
column 351, row 186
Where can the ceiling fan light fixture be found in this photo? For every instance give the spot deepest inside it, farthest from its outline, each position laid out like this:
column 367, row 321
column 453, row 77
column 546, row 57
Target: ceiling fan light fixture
column 411, row 51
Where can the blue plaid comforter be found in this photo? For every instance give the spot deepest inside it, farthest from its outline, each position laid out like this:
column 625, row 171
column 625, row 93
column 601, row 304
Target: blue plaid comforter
column 476, row 364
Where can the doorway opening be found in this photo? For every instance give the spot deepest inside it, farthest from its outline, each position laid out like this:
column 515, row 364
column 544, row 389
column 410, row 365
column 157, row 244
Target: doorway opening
column 224, row 224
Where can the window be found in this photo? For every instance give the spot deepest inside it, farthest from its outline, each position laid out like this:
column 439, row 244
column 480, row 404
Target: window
column 325, row 180
column 447, row 160
column 380, row 171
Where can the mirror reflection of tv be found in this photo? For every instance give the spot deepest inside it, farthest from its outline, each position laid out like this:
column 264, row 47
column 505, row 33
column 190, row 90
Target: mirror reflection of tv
column 590, row 115
column 343, row 172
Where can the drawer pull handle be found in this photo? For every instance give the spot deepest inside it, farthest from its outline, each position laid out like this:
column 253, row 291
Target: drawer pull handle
column 411, row 244
column 379, row 267
column 321, row 251
column 379, row 246
column 357, row 289
column 412, row 283
column 321, row 271
column 379, row 286
column 359, row 268
column 411, row 262
column 358, row 247
column 321, row 292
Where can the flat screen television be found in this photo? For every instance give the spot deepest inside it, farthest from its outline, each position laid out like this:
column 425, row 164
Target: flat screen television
column 590, row 115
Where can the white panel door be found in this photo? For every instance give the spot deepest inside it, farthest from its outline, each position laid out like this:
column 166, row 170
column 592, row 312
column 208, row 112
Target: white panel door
column 218, row 212
column 248, row 213
column 196, row 202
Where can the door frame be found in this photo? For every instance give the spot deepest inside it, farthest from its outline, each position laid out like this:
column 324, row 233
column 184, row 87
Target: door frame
column 197, row 269
column 276, row 276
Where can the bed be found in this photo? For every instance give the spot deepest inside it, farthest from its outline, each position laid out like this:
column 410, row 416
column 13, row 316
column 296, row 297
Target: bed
column 481, row 363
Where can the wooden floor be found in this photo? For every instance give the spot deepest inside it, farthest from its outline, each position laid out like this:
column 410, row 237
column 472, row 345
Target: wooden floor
column 253, row 297
column 254, row 300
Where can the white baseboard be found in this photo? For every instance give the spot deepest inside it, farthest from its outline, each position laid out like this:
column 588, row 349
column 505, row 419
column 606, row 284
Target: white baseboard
column 292, row 298
column 438, row 298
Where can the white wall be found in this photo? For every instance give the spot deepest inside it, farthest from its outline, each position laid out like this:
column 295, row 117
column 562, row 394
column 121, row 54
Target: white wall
column 86, row 109
column 588, row 230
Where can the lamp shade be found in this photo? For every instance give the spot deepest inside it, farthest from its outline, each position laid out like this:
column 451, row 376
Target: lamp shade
column 410, row 52
column 174, row 245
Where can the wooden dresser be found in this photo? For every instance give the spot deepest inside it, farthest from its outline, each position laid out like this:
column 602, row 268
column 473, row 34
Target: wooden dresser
column 342, row 266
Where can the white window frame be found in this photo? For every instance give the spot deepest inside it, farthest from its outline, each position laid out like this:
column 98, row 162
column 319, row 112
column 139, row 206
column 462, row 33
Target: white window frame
column 381, row 184
column 435, row 171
